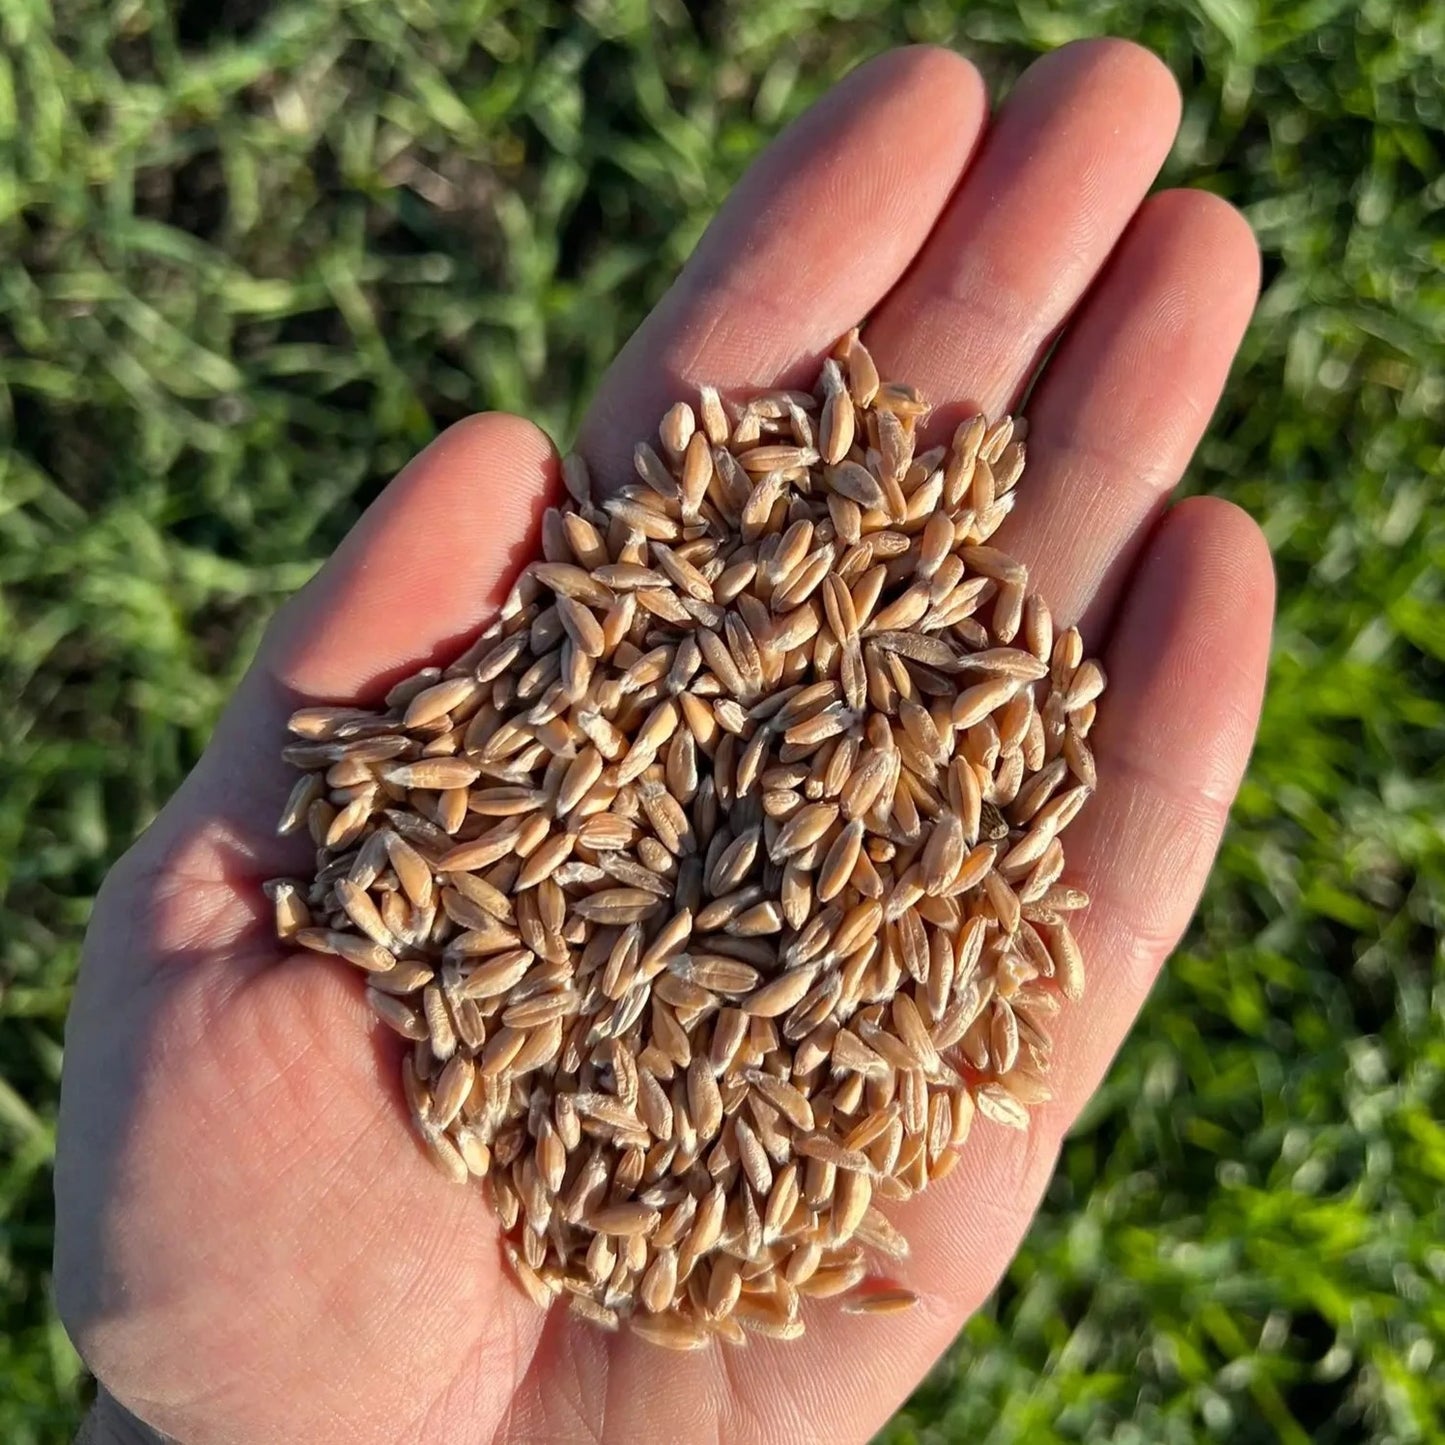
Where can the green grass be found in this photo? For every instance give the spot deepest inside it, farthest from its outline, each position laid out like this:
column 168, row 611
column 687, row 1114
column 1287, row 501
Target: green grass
column 252, row 257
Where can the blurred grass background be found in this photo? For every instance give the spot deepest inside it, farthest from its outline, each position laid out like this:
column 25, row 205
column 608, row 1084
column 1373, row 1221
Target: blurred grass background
column 253, row 255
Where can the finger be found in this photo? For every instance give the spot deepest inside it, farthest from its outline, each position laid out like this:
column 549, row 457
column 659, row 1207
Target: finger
column 1126, row 397
column 1072, row 153
column 425, row 567
column 820, row 228
column 1187, row 667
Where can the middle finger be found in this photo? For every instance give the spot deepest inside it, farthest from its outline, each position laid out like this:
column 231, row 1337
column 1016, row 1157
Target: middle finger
column 1063, row 168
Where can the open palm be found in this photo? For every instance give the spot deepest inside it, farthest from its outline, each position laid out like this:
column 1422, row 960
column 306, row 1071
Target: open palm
column 251, row 1246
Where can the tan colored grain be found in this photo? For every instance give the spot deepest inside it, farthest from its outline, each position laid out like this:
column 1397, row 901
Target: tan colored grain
column 862, row 373
column 998, row 1104
column 397, row 1015
column 672, row 1331
column 831, row 1280
column 716, row 885
column 881, row 1302
column 291, row 911
column 777, row 997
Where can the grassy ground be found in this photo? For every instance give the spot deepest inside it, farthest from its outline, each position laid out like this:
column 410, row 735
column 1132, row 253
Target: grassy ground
column 252, row 256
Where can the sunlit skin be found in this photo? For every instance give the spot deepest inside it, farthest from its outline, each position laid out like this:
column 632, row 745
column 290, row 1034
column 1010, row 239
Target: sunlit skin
column 251, row 1247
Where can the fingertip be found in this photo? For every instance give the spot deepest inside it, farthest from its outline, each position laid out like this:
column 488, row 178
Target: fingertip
column 1191, row 650
column 1226, row 543
column 496, row 429
column 1109, row 63
column 926, row 86
column 1221, row 241
column 493, row 463
column 942, row 76
column 491, row 458
column 426, row 563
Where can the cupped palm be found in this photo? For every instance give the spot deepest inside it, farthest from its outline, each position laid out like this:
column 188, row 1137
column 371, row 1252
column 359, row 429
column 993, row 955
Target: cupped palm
column 251, row 1246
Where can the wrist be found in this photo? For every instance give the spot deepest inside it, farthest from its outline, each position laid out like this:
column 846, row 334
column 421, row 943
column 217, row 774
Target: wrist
column 110, row 1423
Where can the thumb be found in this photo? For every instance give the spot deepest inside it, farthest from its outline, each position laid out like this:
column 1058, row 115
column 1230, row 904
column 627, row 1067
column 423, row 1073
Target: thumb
column 425, row 567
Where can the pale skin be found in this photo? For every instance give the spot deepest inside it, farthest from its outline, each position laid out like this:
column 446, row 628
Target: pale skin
column 251, row 1247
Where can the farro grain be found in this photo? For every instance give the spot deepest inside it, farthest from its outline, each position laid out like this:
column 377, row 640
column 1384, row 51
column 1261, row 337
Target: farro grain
column 750, row 753
column 881, row 1302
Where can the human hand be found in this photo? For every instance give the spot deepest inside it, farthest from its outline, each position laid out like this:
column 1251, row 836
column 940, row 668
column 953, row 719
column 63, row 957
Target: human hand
column 250, row 1246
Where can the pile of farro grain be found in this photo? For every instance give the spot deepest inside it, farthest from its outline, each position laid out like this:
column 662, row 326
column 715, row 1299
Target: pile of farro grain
column 718, row 884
